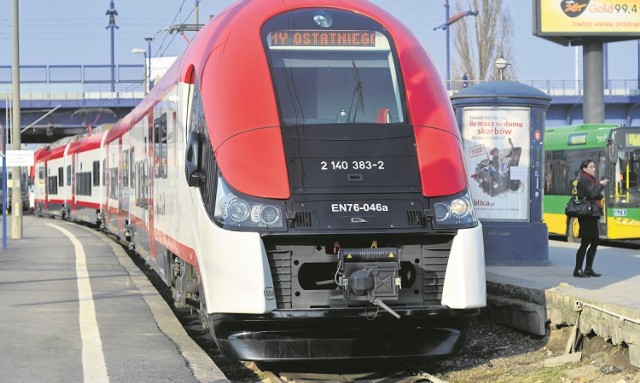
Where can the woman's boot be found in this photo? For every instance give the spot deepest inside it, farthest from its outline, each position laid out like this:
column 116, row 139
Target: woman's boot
column 579, row 273
column 591, row 255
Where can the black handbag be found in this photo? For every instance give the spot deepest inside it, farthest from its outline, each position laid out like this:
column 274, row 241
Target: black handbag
column 578, row 207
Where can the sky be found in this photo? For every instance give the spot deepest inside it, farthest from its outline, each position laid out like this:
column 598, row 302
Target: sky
column 73, row 32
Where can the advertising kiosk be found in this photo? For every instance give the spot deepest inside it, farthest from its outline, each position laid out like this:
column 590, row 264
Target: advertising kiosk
column 502, row 126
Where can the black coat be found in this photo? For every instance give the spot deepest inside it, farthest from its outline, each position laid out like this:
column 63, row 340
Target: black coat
column 592, row 189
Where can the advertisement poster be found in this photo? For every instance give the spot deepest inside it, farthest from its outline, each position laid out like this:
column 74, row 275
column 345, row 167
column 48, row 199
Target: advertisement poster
column 589, row 17
column 496, row 147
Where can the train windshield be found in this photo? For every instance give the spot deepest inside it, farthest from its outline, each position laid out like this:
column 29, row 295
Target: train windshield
column 334, row 76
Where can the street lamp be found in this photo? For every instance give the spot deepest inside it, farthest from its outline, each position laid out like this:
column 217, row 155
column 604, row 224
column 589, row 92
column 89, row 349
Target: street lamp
column 501, row 65
column 445, row 27
column 144, row 52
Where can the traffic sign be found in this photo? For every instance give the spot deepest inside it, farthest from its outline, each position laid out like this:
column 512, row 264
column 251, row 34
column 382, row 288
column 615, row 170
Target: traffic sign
column 19, row 158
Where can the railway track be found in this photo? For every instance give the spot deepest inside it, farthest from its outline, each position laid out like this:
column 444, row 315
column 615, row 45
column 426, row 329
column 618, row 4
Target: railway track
column 393, row 370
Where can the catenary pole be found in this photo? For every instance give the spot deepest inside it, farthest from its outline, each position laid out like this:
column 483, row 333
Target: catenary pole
column 447, row 23
column 197, row 12
column 149, row 55
column 16, row 197
column 112, row 13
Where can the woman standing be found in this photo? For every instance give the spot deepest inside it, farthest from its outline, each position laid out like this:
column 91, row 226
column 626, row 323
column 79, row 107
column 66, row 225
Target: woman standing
column 587, row 186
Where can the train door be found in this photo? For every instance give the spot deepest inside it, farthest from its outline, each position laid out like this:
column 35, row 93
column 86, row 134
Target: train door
column 40, row 188
column 123, row 180
column 112, row 212
column 45, row 203
column 64, row 182
column 140, row 179
column 124, row 198
column 72, row 182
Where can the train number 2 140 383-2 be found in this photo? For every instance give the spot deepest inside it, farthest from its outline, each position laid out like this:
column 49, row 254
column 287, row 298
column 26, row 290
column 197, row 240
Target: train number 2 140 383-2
column 352, row 165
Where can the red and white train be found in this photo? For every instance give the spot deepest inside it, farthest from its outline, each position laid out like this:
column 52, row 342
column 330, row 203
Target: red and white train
column 297, row 176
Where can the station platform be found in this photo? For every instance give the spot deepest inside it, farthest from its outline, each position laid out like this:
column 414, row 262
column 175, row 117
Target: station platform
column 76, row 308
column 529, row 297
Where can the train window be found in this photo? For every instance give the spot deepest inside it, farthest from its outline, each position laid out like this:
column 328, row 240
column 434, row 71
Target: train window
column 96, row 173
column 125, row 168
column 197, row 123
column 68, row 175
column 346, row 74
column 113, row 183
column 132, row 169
column 83, row 183
column 160, row 146
column 60, row 176
column 52, row 184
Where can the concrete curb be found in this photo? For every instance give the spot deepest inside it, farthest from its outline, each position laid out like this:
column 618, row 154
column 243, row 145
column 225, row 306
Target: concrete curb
column 529, row 309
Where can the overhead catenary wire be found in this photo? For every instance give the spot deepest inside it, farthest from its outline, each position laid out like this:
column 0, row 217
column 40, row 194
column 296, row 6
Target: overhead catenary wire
column 160, row 52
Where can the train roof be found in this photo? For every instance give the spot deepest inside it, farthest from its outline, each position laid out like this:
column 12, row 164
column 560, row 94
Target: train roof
column 78, row 143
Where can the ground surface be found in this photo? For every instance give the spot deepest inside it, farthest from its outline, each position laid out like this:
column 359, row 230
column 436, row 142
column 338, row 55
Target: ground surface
column 497, row 354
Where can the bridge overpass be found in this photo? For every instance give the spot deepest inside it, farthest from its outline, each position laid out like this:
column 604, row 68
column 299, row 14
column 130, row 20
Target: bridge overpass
column 63, row 100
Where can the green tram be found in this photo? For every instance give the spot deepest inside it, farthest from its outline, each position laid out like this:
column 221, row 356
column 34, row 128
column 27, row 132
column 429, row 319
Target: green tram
column 616, row 153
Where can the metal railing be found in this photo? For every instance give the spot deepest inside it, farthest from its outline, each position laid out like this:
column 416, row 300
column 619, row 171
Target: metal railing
column 75, row 82
column 82, row 82
column 569, row 87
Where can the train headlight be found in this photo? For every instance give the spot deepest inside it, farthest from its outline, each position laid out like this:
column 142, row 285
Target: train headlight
column 235, row 211
column 454, row 211
column 238, row 209
column 266, row 214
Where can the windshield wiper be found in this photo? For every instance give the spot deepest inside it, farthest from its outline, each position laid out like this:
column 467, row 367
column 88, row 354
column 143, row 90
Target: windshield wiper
column 357, row 90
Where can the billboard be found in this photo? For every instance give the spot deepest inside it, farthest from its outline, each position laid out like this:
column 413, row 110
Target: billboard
column 496, row 145
column 566, row 20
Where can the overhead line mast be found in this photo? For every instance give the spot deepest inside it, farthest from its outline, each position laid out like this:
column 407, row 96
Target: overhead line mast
column 112, row 13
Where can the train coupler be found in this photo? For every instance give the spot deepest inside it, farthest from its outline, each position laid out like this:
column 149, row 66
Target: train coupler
column 371, row 274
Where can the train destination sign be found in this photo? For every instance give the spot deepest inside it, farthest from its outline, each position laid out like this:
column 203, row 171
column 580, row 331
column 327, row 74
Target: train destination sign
column 314, row 38
column 633, row 139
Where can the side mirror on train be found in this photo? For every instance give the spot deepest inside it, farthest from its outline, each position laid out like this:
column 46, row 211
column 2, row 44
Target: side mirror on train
column 193, row 160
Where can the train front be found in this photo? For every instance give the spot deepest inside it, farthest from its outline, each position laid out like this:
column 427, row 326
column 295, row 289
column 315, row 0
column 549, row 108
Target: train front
column 375, row 249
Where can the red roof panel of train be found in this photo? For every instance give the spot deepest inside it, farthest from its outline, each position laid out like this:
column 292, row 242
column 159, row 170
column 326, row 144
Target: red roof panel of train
column 86, row 143
column 242, row 116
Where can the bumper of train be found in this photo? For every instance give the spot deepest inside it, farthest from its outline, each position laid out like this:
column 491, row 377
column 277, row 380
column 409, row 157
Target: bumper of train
column 341, row 334
column 426, row 291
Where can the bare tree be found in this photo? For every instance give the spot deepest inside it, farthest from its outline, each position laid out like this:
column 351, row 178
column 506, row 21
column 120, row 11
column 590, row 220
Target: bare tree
column 480, row 40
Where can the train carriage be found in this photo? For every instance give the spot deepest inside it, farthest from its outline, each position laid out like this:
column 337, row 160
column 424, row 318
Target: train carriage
column 86, row 188
column 50, row 194
column 297, row 176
